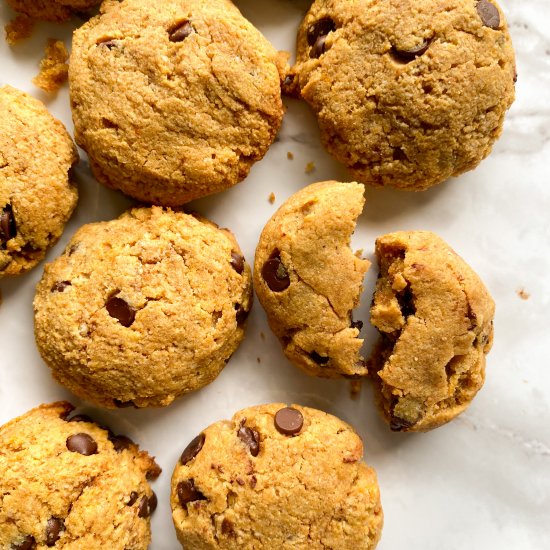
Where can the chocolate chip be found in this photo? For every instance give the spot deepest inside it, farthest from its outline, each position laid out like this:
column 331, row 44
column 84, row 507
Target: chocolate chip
column 318, row 48
column 8, row 228
column 108, row 43
column 319, row 359
column 227, row 527
column 120, row 442
column 123, row 404
column 357, row 324
column 489, row 14
column 320, row 28
column 147, row 506
column 399, row 424
column 80, row 418
column 237, row 262
column 406, row 56
column 241, row 315
column 82, row 444
column 275, row 274
column 193, row 449
column 54, row 527
column 153, row 503
column 181, row 32
column 133, row 498
column 60, row 286
column 289, row 421
column 187, row 492
column 251, row 438
column 28, row 543
column 121, row 311
column 406, row 303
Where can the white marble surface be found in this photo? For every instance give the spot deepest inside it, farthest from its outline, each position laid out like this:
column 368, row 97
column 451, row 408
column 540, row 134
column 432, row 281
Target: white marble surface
column 482, row 482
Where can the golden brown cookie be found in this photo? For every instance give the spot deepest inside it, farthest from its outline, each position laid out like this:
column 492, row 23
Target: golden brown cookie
column 173, row 100
column 276, row 477
column 407, row 92
column 52, row 10
column 308, row 279
column 142, row 309
column 435, row 319
column 67, row 483
column 36, row 195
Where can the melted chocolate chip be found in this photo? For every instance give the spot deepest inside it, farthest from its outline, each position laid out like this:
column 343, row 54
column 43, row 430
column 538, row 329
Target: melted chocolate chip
column 123, row 404
column 181, row 32
column 133, row 499
column 320, row 28
column 80, row 418
column 8, row 228
column 121, row 311
column 241, row 315
column 289, row 421
column 153, row 503
column 319, row 48
column 356, row 324
column 193, row 449
column 60, row 286
column 120, row 442
column 406, row 56
column 147, row 506
column 187, row 492
column 28, row 543
column 489, row 14
column 82, row 444
column 251, row 438
column 399, row 424
column 237, row 262
column 319, row 359
column 108, row 43
column 54, row 527
column 275, row 274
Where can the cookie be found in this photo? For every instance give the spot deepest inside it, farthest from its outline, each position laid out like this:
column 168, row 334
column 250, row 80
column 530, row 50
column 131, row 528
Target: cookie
column 52, row 10
column 309, row 281
column 291, row 477
column 407, row 93
column 435, row 319
column 142, row 309
column 67, row 483
column 36, row 194
column 173, row 100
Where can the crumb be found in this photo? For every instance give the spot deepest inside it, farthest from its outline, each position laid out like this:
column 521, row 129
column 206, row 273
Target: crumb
column 262, row 335
column 310, row 167
column 355, row 389
column 18, row 29
column 271, row 198
column 290, row 156
column 258, row 359
column 54, row 69
column 523, row 295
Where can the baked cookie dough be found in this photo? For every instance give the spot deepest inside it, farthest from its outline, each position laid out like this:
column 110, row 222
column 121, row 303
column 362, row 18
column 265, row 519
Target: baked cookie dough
column 67, row 483
column 142, row 309
column 173, row 100
column 308, row 280
column 289, row 476
column 435, row 319
column 52, row 10
column 36, row 195
column 407, row 93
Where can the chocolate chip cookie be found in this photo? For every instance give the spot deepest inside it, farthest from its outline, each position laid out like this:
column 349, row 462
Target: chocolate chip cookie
column 407, row 93
column 52, row 10
column 173, row 100
column 435, row 319
column 309, row 281
column 276, row 477
column 142, row 309
column 67, row 483
column 36, row 195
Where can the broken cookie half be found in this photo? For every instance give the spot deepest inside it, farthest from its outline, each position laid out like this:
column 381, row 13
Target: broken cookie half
column 435, row 318
column 309, row 280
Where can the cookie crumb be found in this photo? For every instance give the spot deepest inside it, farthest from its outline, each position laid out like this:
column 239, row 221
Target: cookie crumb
column 290, row 156
column 310, row 167
column 262, row 335
column 523, row 295
column 271, row 198
column 257, row 358
column 18, row 29
column 355, row 389
column 54, row 69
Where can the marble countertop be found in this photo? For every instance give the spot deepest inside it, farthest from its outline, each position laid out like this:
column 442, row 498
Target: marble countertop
column 481, row 482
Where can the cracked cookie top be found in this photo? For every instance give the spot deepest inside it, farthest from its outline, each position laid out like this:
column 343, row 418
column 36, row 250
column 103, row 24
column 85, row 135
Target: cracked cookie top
column 36, row 195
column 144, row 308
column 407, row 92
column 173, row 100
column 52, row 10
column 308, row 279
column 67, row 483
column 291, row 477
column 435, row 318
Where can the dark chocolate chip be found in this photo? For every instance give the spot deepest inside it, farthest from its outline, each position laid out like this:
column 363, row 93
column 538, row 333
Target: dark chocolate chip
column 8, row 228
column 120, row 442
column 121, row 311
column 187, row 492
column 275, row 274
column 153, row 503
column 406, row 56
column 54, row 527
column 357, row 324
column 133, row 499
column 320, row 28
column 251, row 438
column 193, row 449
column 319, row 359
column 147, row 506
column 227, row 527
column 82, row 444
column 60, row 286
column 80, row 418
column 241, row 315
column 319, row 48
column 109, row 44
column 123, row 404
column 405, row 300
column 399, row 424
column 181, row 32
column 289, row 421
column 489, row 14
column 28, row 543
column 237, row 262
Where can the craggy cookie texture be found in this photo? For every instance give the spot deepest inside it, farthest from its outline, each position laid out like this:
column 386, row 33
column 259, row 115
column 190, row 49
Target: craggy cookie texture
column 67, row 483
column 52, row 10
column 407, row 92
column 144, row 308
column 435, row 318
column 308, row 279
column 36, row 196
column 278, row 477
column 173, row 100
